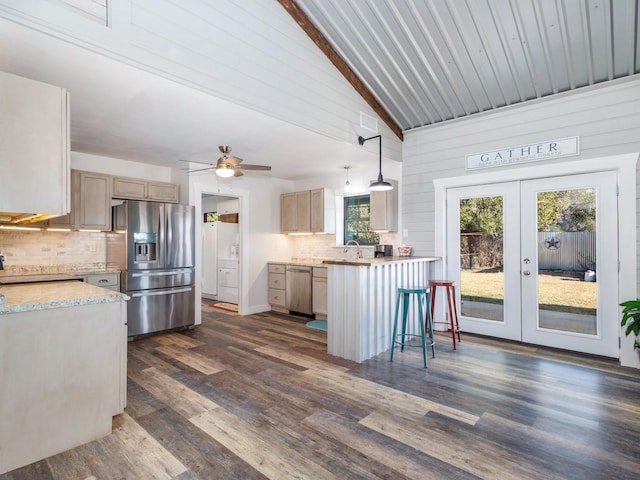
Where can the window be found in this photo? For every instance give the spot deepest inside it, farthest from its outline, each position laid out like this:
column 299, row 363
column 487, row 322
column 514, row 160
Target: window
column 356, row 221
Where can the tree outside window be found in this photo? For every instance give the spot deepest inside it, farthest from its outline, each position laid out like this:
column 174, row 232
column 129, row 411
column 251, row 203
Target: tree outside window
column 356, row 221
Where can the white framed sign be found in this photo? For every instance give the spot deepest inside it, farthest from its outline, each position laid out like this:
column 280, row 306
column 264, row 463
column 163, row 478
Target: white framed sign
column 565, row 147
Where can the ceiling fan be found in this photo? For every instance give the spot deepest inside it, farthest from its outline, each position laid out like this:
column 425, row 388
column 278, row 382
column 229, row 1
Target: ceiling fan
column 230, row 166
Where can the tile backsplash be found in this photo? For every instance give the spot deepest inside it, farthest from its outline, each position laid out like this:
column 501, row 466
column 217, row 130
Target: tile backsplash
column 42, row 248
column 324, row 246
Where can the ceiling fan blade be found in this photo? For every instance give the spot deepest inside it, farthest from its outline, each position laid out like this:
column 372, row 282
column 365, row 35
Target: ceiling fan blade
column 247, row 166
column 201, row 169
column 233, row 161
column 194, row 161
column 237, row 173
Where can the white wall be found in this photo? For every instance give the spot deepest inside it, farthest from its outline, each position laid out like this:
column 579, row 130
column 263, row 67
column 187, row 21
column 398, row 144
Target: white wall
column 605, row 117
column 260, row 237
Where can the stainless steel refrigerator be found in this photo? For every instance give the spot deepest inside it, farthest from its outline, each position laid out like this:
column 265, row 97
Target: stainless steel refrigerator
column 154, row 246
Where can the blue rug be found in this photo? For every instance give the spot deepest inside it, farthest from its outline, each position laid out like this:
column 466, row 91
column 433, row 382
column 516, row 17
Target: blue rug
column 318, row 325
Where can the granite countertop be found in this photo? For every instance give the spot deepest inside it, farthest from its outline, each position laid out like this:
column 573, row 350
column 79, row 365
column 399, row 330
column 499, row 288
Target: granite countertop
column 367, row 262
column 356, row 262
column 44, row 295
column 64, row 269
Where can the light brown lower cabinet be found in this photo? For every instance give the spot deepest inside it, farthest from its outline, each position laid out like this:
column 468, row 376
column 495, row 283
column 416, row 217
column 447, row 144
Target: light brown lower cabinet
column 278, row 287
column 319, row 286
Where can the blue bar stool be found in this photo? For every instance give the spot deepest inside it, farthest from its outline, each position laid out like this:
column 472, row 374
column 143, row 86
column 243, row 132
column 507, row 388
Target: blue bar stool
column 403, row 296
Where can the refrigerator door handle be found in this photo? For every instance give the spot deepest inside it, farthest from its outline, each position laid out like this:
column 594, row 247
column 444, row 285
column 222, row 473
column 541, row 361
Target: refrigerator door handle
column 147, row 293
column 158, row 274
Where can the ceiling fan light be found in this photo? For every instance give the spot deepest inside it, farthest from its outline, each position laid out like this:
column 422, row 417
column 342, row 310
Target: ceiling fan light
column 224, row 171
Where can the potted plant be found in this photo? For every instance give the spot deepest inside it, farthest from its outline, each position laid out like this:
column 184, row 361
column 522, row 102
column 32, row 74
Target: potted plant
column 631, row 319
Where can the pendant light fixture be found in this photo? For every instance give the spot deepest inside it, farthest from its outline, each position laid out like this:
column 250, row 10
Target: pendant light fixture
column 379, row 185
column 347, row 185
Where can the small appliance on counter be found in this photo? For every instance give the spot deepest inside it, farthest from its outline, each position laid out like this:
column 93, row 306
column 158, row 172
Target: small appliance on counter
column 383, row 251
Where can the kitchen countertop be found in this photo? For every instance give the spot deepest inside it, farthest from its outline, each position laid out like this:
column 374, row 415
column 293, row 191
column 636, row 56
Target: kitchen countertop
column 76, row 270
column 356, row 262
column 367, row 262
column 45, row 295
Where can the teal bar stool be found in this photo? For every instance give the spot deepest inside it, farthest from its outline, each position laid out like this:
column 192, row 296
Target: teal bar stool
column 422, row 296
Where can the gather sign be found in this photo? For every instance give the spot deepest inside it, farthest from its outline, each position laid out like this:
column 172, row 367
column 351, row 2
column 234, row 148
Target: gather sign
column 524, row 153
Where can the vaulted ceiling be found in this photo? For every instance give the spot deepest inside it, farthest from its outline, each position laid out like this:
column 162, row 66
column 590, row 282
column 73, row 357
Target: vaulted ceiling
column 427, row 61
column 150, row 88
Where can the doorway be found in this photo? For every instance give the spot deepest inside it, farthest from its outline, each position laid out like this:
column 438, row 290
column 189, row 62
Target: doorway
column 220, row 248
column 537, row 260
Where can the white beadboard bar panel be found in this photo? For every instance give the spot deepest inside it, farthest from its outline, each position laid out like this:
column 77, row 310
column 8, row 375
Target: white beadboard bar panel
column 249, row 52
column 362, row 302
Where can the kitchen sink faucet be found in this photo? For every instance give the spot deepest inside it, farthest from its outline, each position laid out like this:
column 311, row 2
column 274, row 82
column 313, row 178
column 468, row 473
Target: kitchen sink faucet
column 358, row 252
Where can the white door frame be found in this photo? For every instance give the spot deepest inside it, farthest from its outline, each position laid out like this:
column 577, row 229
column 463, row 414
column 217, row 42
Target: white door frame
column 195, row 198
column 625, row 167
column 604, row 341
column 511, row 326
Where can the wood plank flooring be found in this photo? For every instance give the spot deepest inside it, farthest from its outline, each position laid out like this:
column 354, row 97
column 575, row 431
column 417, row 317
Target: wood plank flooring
column 257, row 397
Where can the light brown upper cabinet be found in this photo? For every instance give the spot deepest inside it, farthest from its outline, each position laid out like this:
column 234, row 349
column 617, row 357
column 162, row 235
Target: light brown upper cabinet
column 323, row 211
column 137, row 189
column 383, row 209
column 309, row 211
column 34, row 147
column 295, row 212
column 90, row 203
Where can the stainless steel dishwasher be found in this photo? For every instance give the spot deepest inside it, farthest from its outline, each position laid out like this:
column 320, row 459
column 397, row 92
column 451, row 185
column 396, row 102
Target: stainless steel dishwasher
column 298, row 295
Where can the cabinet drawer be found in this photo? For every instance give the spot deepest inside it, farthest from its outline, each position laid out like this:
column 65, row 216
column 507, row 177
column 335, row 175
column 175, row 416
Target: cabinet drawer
column 277, row 268
column 276, row 297
column 104, row 279
column 320, row 272
column 277, row 280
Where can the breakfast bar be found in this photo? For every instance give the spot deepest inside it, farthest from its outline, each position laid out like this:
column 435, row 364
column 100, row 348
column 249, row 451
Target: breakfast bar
column 361, row 302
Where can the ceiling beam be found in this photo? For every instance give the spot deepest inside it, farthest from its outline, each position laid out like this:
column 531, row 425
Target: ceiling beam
column 319, row 39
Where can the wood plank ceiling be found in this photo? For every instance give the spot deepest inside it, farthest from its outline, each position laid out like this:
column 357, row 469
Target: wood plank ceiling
column 428, row 61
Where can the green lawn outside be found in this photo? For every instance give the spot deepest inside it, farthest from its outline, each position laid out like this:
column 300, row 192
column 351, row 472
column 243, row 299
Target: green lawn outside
column 557, row 292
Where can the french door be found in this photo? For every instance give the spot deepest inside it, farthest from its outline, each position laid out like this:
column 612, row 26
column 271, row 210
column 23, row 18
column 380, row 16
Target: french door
column 536, row 260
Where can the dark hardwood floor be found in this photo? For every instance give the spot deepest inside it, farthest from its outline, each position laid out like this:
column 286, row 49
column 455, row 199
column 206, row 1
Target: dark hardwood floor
column 257, row 397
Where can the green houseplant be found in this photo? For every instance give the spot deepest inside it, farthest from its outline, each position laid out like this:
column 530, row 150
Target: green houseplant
column 631, row 319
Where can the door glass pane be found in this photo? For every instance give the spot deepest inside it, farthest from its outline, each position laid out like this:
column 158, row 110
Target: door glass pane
column 481, row 258
column 567, row 293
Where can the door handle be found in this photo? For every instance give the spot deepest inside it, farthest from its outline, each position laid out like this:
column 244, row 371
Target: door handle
column 526, row 273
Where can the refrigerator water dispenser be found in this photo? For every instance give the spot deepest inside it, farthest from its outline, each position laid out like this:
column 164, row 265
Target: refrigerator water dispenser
column 144, row 247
